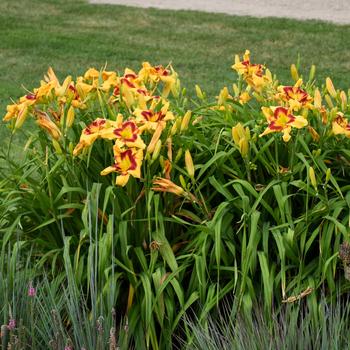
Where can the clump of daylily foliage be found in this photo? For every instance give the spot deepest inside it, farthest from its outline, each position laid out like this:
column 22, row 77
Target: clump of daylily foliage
column 245, row 194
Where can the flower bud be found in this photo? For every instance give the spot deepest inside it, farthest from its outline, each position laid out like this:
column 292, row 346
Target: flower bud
column 314, row 134
column 333, row 113
column 247, row 133
column 329, row 101
column 235, row 89
column 182, row 181
column 268, row 74
column 48, row 125
column 169, row 144
column 328, row 175
column 258, row 97
column 344, row 100
column 244, row 147
column 173, row 129
column 312, row 72
column 70, row 147
column 324, row 115
column 197, row 120
column 167, row 169
column 199, row 92
column 178, row 155
column 317, row 99
column 330, row 87
column 70, row 117
column 189, row 164
column 155, row 139
column 56, row 146
column 223, row 96
column 299, row 83
column 294, row 72
column 22, row 116
column 63, row 88
column 237, row 133
column 312, row 177
column 185, row 120
column 156, row 151
column 241, row 137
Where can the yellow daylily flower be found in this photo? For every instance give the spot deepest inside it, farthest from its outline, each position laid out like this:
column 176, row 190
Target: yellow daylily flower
column 153, row 74
column 244, row 98
column 253, row 74
column 224, row 95
column 13, row 111
column 84, row 89
column 61, row 90
column 341, row 125
column 127, row 163
column 126, row 133
column 90, row 134
column 295, row 97
column 281, row 120
column 91, row 74
column 19, row 111
column 158, row 113
column 45, row 89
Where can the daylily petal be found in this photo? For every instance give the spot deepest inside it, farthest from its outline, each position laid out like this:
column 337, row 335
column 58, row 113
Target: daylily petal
column 299, row 122
column 108, row 170
column 122, row 180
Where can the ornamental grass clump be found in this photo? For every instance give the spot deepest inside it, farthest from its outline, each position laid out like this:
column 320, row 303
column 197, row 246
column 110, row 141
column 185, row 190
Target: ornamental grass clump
column 172, row 203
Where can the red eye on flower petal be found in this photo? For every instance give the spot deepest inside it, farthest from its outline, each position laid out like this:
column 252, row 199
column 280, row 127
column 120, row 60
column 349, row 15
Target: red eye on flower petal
column 128, row 83
column 74, row 90
column 142, row 91
column 30, row 97
column 280, row 110
column 296, row 93
column 161, row 70
column 273, row 126
column 130, row 76
column 98, row 122
column 147, row 114
column 126, row 162
column 128, row 132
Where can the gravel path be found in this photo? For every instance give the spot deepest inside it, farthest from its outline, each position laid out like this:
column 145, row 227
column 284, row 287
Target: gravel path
column 337, row 11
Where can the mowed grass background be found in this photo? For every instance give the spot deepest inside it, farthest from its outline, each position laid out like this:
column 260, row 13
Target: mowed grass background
column 72, row 36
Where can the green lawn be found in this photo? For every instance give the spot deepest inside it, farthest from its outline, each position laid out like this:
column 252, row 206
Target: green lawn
column 73, row 35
